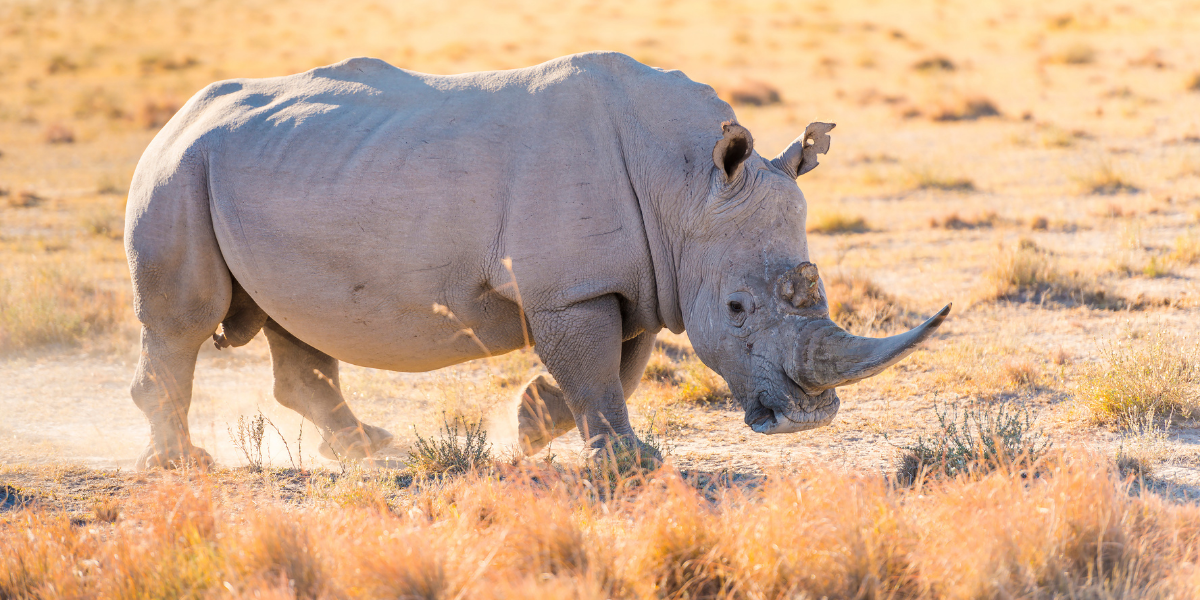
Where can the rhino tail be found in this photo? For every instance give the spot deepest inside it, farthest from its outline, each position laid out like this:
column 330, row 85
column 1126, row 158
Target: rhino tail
column 242, row 322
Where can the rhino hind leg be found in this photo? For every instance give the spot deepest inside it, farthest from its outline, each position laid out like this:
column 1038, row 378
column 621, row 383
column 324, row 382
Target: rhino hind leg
column 306, row 381
column 242, row 322
column 542, row 416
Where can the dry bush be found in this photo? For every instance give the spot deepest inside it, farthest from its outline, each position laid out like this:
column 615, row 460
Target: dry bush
column 1105, row 180
column 966, row 109
column 277, row 547
column 23, row 199
column 155, row 113
column 1143, row 447
column 1186, row 250
column 106, row 509
column 1039, row 223
column 55, row 303
column 1028, row 273
column 863, row 308
column 1077, row 54
column 57, row 133
column 813, row 532
column 932, row 179
column 1193, row 83
column 448, row 454
column 753, row 93
column 836, row 222
column 953, row 221
column 1143, row 377
column 661, row 368
column 977, row 439
column 933, row 64
column 700, row 385
column 684, row 377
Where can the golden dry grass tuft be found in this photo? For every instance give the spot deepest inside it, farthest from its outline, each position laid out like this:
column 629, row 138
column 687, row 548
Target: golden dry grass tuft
column 935, row 179
column 813, row 532
column 967, row 108
column 863, row 308
column 53, row 301
column 1029, row 273
column 954, row 221
column 1186, row 250
column 1105, row 180
column 1193, row 83
column 831, row 223
column 1144, row 377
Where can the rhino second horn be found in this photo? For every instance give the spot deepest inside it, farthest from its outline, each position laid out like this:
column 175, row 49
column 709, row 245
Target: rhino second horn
column 798, row 286
column 832, row 357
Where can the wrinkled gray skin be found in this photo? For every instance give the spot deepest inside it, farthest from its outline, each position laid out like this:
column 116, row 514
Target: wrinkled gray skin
column 404, row 221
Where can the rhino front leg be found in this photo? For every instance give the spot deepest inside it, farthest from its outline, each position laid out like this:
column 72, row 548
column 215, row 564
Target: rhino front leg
column 543, row 414
column 581, row 347
column 306, row 381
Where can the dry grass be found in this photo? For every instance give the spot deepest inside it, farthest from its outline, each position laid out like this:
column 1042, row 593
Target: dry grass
column 1186, row 250
column 1143, row 377
column 966, row 109
column 974, row 439
column 1193, row 83
column 953, row 221
column 830, row 223
column 530, row 532
column 935, row 179
column 1105, row 180
column 53, row 301
column 863, row 308
column 1029, row 273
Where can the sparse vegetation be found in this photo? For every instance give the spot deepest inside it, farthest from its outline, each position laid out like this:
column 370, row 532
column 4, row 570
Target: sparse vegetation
column 54, row 303
column 1139, row 377
column 545, row 533
column 753, row 93
column 837, row 222
column 974, row 439
column 448, row 454
column 84, row 86
column 1105, row 180
column 1193, row 83
column 248, row 439
column 966, row 109
column 1029, row 273
column 932, row 179
column 934, row 63
column 1186, row 250
column 1078, row 54
column 953, row 221
column 862, row 308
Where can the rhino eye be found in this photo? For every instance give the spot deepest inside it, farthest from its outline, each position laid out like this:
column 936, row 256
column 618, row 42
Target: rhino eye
column 739, row 305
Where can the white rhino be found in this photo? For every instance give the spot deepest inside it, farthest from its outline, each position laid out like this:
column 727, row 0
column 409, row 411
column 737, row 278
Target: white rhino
column 404, row 221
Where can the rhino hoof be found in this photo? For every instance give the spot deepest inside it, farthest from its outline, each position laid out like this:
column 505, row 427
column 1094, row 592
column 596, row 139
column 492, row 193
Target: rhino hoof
column 356, row 443
column 193, row 457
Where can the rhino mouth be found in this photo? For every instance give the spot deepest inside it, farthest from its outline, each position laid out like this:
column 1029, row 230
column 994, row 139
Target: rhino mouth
column 769, row 421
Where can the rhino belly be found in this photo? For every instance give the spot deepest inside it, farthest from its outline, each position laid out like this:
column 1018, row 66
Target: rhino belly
column 372, row 291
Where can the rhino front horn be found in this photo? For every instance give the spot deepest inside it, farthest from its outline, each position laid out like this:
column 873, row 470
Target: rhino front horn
column 830, row 357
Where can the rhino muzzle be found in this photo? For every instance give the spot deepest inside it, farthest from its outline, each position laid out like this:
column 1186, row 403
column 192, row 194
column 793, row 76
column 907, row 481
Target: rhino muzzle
column 825, row 357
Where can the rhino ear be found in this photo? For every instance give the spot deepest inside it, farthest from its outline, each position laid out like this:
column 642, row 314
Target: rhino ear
column 734, row 147
column 801, row 156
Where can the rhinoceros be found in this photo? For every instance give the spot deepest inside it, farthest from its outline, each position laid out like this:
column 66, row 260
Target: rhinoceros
column 397, row 220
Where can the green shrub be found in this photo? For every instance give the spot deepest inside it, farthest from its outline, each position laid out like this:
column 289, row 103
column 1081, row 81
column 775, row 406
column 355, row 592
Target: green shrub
column 973, row 440
column 447, row 454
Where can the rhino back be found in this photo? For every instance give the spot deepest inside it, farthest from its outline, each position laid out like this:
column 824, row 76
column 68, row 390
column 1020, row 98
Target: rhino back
column 350, row 199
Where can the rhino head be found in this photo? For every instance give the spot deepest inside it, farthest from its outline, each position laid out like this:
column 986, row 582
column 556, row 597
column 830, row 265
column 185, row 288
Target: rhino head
column 752, row 302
